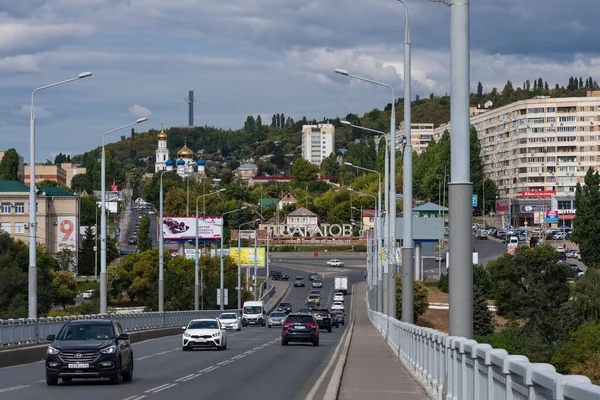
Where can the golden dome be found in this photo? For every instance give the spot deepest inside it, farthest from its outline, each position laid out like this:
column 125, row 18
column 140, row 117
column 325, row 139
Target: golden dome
column 185, row 152
column 162, row 135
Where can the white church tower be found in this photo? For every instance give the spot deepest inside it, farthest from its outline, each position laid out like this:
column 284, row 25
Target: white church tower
column 162, row 152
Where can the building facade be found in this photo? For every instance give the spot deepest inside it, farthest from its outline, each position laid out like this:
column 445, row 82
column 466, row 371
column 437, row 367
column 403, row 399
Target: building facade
column 57, row 215
column 71, row 170
column 318, row 142
column 47, row 172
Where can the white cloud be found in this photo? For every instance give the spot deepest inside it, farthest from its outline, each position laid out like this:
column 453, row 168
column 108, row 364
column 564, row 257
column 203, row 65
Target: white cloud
column 139, row 111
column 40, row 112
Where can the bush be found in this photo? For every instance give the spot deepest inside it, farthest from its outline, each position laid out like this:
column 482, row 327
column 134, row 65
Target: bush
column 576, row 352
column 420, row 304
column 516, row 343
column 483, row 320
column 443, row 283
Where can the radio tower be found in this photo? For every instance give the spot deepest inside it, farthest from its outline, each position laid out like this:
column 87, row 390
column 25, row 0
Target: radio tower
column 190, row 100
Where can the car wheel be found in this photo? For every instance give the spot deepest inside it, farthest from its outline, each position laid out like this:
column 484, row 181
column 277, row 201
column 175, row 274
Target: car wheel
column 51, row 381
column 316, row 342
column 184, row 348
column 117, row 378
column 329, row 329
column 268, row 326
column 239, row 329
column 225, row 345
column 284, row 342
column 67, row 380
column 128, row 376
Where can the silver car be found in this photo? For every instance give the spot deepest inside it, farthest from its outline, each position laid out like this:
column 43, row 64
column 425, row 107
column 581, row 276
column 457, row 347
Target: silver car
column 317, row 283
column 276, row 318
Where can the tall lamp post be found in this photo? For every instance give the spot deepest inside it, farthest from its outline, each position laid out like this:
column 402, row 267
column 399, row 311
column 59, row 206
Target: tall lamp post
column 196, row 277
column 239, row 275
column 103, row 288
column 222, row 272
column 32, row 300
column 161, row 257
column 389, row 271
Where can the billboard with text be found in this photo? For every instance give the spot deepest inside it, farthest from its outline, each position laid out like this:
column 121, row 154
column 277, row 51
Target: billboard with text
column 180, row 229
column 67, row 233
column 247, row 255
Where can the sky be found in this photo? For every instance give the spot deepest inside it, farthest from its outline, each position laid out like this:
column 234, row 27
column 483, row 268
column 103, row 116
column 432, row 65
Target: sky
column 250, row 57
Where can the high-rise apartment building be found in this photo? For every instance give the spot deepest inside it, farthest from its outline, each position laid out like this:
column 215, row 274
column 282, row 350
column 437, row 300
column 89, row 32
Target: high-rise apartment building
column 318, row 142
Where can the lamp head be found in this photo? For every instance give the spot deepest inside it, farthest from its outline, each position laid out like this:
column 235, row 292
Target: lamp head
column 140, row 120
column 345, row 122
column 341, row 71
column 84, row 75
column 221, row 190
column 243, row 208
column 349, row 164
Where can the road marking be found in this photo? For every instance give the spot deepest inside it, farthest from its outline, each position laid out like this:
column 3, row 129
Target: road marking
column 162, row 352
column 166, row 387
column 249, row 352
column 142, row 358
column 191, row 377
column 156, row 388
column 225, row 362
column 40, row 381
column 238, row 357
column 206, row 369
column 183, row 378
column 9, row 389
column 135, row 397
column 210, row 369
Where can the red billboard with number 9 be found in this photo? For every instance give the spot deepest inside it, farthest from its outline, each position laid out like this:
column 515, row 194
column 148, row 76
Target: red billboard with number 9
column 67, row 233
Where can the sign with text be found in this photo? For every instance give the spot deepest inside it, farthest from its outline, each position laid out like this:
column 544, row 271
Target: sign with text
column 536, row 194
column 67, row 233
column 190, row 254
column 247, row 256
column 551, row 216
column 474, row 200
column 184, row 228
column 322, row 230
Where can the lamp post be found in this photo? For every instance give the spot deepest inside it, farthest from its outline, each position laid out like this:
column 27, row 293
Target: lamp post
column 380, row 304
column 361, row 221
column 389, row 270
column 222, row 272
column 161, row 263
column 103, row 294
column 32, row 289
column 239, row 280
column 196, row 281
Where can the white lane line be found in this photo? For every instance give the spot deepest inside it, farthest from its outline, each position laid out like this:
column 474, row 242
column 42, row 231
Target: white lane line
column 139, row 398
column 142, row 358
column 131, row 397
column 9, row 389
column 237, row 357
column 241, row 356
column 225, row 362
column 40, row 381
column 191, row 377
column 206, row 369
column 156, row 388
column 183, row 378
column 211, row 369
column 166, row 387
column 162, row 352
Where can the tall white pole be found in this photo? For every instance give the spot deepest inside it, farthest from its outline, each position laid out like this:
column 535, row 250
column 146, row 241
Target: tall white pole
column 196, row 266
column 222, row 271
column 161, row 293
column 239, row 271
column 255, row 243
column 383, row 275
column 32, row 301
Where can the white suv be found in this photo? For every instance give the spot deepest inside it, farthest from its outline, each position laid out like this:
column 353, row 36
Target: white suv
column 337, row 305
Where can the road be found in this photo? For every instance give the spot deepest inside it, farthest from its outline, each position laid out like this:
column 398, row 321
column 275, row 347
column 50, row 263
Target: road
column 255, row 365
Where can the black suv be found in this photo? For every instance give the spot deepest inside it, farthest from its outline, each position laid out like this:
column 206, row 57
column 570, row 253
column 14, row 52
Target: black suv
column 285, row 307
column 89, row 349
column 299, row 282
column 276, row 275
column 324, row 320
column 300, row 328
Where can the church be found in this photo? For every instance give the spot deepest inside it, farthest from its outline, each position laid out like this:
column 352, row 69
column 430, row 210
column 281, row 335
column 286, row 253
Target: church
column 184, row 164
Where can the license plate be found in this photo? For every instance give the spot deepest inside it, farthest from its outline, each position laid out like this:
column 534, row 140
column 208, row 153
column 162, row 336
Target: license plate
column 78, row 366
column 300, row 328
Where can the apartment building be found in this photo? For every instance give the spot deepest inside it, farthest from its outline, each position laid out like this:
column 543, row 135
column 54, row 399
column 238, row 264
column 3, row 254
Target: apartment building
column 317, row 142
column 70, row 171
column 421, row 134
column 21, row 164
column 47, row 172
column 57, row 215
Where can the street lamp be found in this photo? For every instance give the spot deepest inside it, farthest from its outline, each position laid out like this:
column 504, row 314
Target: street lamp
column 32, row 301
column 196, row 281
column 161, row 262
column 239, row 281
column 390, row 266
column 103, row 294
column 222, row 273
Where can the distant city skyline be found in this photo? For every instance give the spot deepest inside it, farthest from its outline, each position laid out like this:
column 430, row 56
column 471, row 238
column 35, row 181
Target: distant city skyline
column 247, row 58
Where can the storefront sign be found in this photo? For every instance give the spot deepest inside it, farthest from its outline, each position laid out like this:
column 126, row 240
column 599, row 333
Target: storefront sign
column 535, row 194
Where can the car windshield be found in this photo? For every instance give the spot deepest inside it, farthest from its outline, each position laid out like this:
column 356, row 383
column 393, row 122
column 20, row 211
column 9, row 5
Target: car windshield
column 299, row 278
column 313, row 296
column 252, row 310
column 228, row 316
column 284, row 305
column 86, row 332
column 277, row 315
column 203, row 325
column 337, row 303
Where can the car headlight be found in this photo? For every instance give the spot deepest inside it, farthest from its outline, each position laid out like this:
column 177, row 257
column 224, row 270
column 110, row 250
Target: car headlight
column 52, row 350
column 109, row 350
column 217, row 334
column 185, row 334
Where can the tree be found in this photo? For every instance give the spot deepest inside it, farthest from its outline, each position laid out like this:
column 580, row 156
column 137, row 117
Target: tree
column 304, row 171
column 420, row 302
column 579, row 350
column 479, row 89
column 66, row 259
column 331, row 167
column 144, row 241
column 476, row 169
column 64, row 287
column 483, row 321
column 9, row 166
column 86, row 263
column 586, row 232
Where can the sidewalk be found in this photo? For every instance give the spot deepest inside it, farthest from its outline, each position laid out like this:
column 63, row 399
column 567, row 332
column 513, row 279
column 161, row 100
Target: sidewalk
column 372, row 371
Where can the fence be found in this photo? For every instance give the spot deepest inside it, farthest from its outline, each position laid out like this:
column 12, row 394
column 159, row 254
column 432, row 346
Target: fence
column 27, row 331
column 451, row 367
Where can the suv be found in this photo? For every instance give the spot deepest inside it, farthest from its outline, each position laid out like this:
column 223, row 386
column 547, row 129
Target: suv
column 278, row 276
column 313, row 275
column 299, row 281
column 334, row 262
column 300, row 328
column 323, row 317
column 89, row 348
column 285, row 307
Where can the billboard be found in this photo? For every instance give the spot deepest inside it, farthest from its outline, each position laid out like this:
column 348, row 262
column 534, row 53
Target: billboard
column 248, row 256
column 551, row 216
column 182, row 229
column 67, row 233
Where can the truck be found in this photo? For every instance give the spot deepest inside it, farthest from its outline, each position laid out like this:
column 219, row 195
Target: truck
column 341, row 284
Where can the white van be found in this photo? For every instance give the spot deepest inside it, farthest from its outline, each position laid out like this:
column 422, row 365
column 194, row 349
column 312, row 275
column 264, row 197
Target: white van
column 254, row 313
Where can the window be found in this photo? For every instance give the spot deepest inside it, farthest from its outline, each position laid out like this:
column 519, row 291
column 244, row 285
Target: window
column 551, row 109
column 20, row 208
column 19, row 227
column 581, row 109
column 567, row 119
column 5, row 227
column 551, row 119
column 5, row 208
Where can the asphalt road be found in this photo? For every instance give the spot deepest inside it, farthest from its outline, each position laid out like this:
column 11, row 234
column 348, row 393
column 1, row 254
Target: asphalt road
column 254, row 366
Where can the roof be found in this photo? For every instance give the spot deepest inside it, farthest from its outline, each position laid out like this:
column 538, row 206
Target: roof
column 302, row 212
column 247, row 166
column 368, row 213
column 13, row 186
column 430, row 207
column 288, row 193
column 54, row 191
column 268, row 202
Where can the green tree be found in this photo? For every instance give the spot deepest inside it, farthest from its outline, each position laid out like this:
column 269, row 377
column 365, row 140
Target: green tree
column 304, row 171
column 573, row 353
column 483, row 321
column 9, row 166
column 144, row 241
column 66, row 259
column 586, row 232
column 331, row 168
column 420, row 302
column 514, row 341
column 89, row 214
column 64, row 287
column 86, row 262
column 81, row 182
column 479, row 89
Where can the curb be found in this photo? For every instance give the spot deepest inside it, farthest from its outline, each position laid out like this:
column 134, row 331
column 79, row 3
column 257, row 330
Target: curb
column 289, row 285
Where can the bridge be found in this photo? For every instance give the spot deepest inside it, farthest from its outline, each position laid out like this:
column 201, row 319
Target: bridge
column 372, row 356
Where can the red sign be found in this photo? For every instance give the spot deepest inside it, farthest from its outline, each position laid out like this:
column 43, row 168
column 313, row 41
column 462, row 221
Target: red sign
column 114, row 187
column 536, row 194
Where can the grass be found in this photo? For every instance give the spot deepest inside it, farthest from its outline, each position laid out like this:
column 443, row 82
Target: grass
column 87, row 285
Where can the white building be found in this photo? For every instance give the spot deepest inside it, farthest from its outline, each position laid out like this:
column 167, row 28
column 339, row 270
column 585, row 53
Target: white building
column 318, row 142
column 162, row 152
column 185, row 164
column 302, row 218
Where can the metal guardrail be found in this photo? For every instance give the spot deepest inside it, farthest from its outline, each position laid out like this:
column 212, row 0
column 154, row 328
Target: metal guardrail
column 14, row 332
column 451, row 367
column 268, row 294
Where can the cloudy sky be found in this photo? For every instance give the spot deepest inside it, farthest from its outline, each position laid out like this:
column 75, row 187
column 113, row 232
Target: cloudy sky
column 245, row 57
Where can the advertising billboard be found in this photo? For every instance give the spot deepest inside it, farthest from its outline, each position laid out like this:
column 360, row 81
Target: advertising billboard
column 67, row 233
column 551, row 216
column 247, row 255
column 180, row 229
